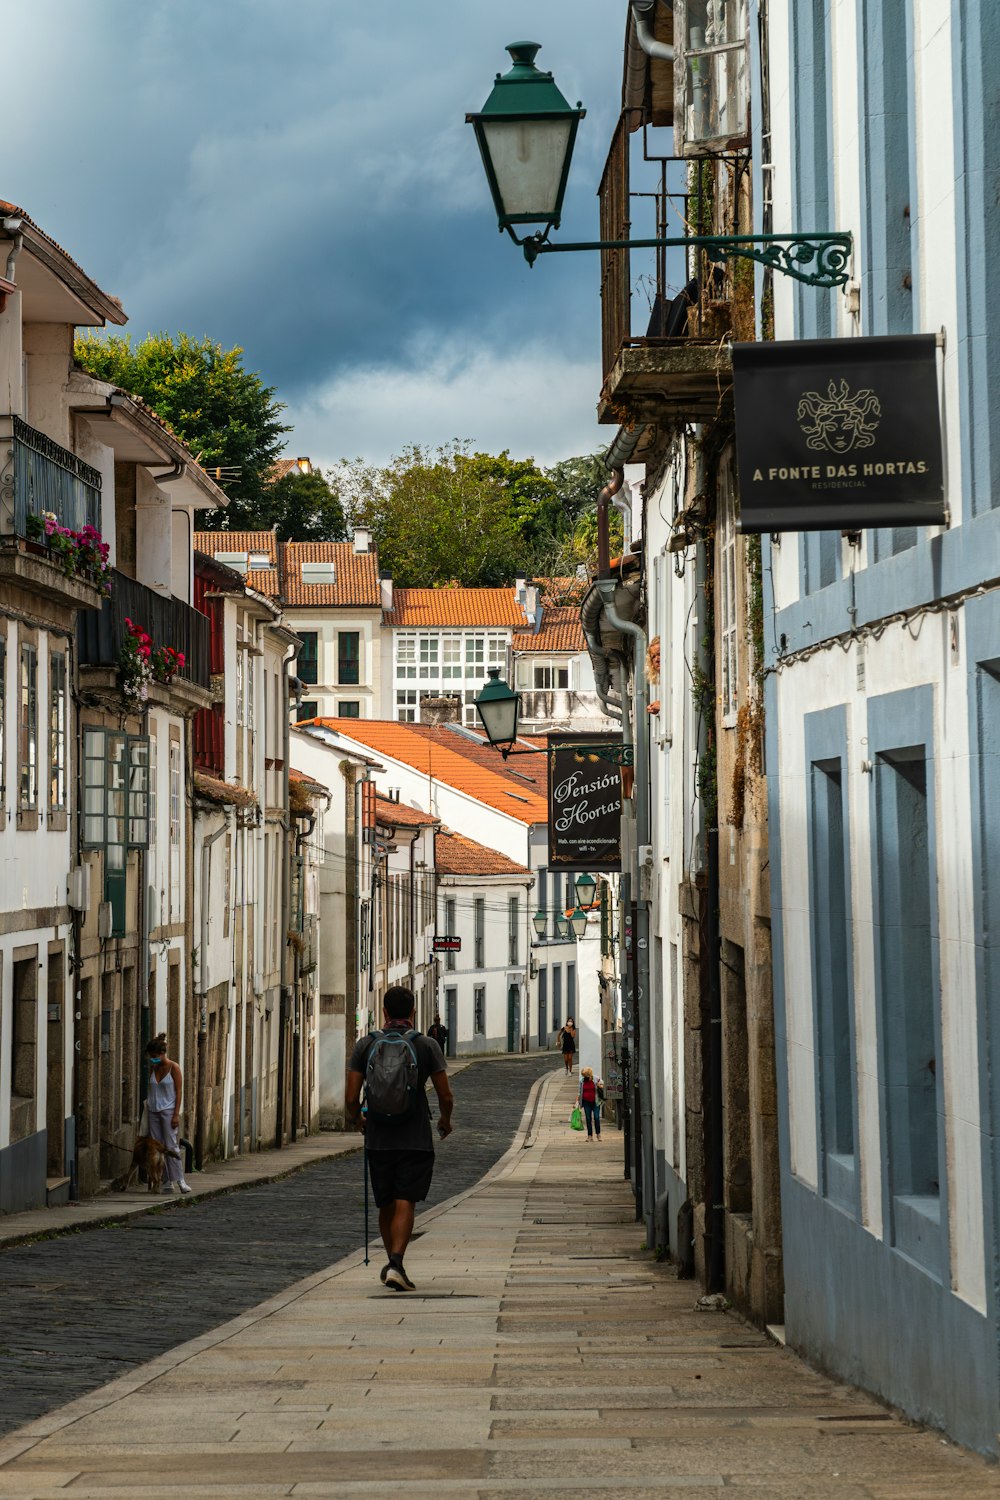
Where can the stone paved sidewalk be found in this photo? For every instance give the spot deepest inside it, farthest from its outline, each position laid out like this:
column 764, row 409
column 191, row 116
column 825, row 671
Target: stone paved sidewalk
column 543, row 1353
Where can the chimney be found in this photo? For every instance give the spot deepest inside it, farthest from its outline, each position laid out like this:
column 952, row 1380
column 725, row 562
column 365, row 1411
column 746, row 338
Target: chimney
column 385, row 589
column 362, row 540
column 531, row 604
column 443, row 710
column 520, row 579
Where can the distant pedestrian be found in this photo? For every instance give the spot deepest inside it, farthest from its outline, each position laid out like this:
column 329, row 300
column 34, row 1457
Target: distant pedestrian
column 163, row 1106
column 395, row 1064
column 567, row 1043
column 438, row 1032
column 589, row 1098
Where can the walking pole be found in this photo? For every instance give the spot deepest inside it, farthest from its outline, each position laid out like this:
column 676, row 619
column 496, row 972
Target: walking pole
column 364, row 1159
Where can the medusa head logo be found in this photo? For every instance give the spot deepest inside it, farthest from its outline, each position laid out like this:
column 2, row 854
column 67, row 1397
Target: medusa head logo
column 839, row 421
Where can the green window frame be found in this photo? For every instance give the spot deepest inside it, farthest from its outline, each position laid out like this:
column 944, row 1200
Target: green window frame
column 115, row 806
column 308, row 668
column 348, row 658
column 28, row 756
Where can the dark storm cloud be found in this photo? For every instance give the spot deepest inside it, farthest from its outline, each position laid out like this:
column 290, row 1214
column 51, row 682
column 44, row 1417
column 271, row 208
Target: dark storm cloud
column 299, row 179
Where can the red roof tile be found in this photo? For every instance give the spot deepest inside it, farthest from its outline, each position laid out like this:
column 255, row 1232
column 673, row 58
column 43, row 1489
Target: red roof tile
column 115, row 311
column 238, row 541
column 284, row 466
column 398, row 815
column 454, row 854
column 470, row 767
column 560, row 630
column 496, row 608
column 355, row 576
column 561, row 590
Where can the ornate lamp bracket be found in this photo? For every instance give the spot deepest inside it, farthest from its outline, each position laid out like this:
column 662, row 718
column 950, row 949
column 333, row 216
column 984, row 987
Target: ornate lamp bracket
column 820, row 259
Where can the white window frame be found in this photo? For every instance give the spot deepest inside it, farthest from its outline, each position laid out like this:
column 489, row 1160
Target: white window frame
column 727, row 593
column 714, row 54
column 406, row 656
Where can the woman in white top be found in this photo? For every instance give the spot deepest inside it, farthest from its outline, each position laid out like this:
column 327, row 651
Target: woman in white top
column 163, row 1106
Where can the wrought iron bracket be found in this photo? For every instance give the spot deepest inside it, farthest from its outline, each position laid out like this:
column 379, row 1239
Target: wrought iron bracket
column 820, row 259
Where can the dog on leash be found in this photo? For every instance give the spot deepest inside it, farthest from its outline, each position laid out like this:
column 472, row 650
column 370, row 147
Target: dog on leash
column 148, row 1155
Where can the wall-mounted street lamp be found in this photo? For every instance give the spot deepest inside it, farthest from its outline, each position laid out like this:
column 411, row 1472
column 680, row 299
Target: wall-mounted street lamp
column 526, row 132
column 499, row 709
column 562, row 925
column 586, row 886
column 578, row 922
column 540, row 922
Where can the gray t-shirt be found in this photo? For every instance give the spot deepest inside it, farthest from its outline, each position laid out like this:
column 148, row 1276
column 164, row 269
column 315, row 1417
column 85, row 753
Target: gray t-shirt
column 413, row 1133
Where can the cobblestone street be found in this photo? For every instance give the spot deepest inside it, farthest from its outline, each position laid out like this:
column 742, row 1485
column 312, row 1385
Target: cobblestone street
column 543, row 1352
column 77, row 1310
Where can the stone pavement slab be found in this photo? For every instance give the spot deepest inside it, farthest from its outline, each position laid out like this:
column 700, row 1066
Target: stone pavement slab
column 526, row 1364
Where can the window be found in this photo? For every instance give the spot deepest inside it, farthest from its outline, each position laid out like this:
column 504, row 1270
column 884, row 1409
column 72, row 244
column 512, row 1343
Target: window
column 475, row 656
column 513, row 933
column 479, row 1010
column 449, row 927
column 28, row 794
column 497, row 647
column 175, row 794
column 308, row 709
column 710, row 73
column 479, row 941
column 429, row 665
column 240, row 703
column 348, row 710
column 728, row 632
column 349, row 657
column 309, row 656
column 451, row 656
column 556, row 1021
column 138, row 793
column 548, row 676
column 57, row 730
column 317, row 573
column 406, row 656
column 831, row 947
column 406, row 706
column 152, row 788
column 570, row 990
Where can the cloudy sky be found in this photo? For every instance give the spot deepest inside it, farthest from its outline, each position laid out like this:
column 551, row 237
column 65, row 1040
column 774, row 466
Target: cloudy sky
column 297, row 177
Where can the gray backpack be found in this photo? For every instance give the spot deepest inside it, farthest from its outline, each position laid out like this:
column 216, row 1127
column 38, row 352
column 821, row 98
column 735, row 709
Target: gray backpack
column 392, row 1077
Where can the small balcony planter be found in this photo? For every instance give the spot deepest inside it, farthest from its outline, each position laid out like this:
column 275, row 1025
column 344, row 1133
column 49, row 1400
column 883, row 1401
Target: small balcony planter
column 80, row 554
column 135, row 664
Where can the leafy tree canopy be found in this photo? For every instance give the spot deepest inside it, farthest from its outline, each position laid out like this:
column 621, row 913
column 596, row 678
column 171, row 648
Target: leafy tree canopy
column 224, row 413
column 450, row 515
column 303, row 508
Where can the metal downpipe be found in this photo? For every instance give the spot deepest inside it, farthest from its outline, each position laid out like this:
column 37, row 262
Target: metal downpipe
column 641, row 11
column 635, row 733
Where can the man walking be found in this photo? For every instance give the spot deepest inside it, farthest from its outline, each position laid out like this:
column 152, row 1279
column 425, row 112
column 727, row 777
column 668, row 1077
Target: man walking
column 394, row 1065
column 438, row 1032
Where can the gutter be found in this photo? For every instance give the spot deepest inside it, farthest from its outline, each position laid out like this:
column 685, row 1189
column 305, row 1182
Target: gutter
column 641, row 12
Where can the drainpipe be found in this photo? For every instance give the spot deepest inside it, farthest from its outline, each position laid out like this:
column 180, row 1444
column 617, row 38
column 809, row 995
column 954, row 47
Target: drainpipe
column 635, row 733
column 710, row 978
column 590, row 614
column 611, row 489
column 201, row 1124
column 286, row 880
column 302, row 837
column 641, row 11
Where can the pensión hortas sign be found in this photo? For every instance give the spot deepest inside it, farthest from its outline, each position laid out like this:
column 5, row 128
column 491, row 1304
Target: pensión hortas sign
column 585, row 801
column 839, row 434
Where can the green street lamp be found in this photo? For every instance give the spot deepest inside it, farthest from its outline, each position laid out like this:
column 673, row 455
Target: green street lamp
column 586, row 886
column 562, row 925
column 526, row 131
column 498, row 707
column 578, row 922
column 540, row 922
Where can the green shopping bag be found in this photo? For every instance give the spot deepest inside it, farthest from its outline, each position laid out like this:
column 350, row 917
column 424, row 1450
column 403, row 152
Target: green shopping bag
column 576, row 1118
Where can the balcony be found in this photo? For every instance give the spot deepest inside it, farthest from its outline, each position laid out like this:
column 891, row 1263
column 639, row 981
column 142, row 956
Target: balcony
column 37, row 475
column 666, row 323
column 169, row 621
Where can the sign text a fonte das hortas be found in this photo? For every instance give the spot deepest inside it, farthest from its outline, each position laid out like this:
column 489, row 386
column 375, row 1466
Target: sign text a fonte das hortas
column 839, row 434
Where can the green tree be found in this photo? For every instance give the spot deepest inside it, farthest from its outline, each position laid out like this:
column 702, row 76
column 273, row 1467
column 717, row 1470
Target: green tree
column 224, row 413
column 303, row 508
column 450, row 515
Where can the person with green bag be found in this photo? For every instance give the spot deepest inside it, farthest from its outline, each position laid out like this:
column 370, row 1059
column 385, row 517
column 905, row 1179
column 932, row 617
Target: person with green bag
column 576, row 1118
column 590, row 1102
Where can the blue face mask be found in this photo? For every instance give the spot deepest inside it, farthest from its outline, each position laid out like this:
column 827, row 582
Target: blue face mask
column 154, row 1062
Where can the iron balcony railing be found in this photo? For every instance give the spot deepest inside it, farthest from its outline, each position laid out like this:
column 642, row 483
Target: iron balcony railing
column 169, row 621
column 38, row 475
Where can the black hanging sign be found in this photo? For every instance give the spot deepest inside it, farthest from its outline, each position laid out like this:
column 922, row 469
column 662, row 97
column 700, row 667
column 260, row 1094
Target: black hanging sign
column 585, row 801
column 839, row 434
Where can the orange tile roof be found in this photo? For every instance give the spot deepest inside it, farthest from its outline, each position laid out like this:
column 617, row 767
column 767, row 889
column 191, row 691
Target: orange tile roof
column 561, row 590
column 355, row 576
column 238, row 541
column 454, row 854
column 116, row 311
column 439, row 753
column 264, row 580
column 284, row 466
column 560, row 630
column 398, row 815
column 498, row 608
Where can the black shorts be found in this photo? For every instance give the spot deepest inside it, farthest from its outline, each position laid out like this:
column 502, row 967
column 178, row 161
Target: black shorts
column 400, row 1174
